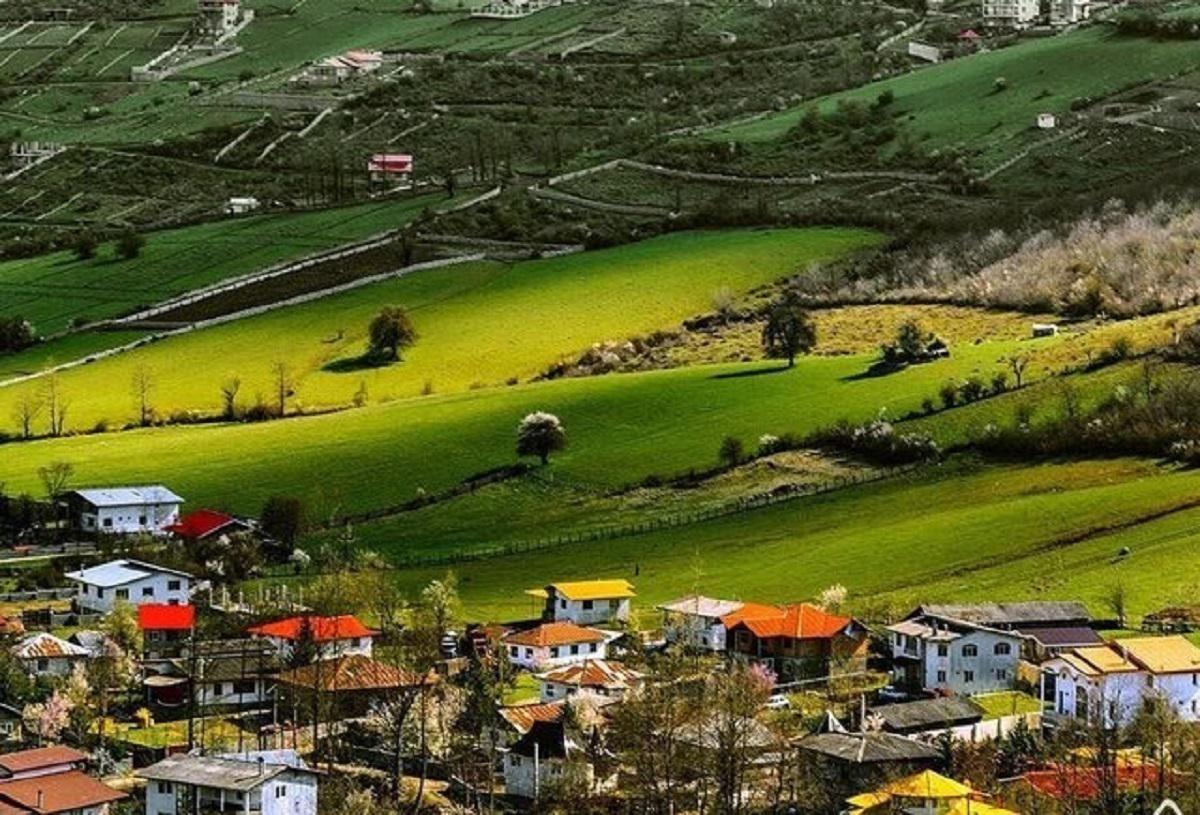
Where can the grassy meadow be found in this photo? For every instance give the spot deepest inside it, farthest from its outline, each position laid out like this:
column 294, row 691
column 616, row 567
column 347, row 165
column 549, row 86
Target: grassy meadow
column 479, row 325
column 52, row 290
column 957, row 102
column 961, row 531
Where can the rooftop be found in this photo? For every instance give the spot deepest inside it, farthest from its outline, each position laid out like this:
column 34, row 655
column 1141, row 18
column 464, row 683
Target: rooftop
column 588, row 590
column 928, row 714
column 701, row 606
column 323, row 629
column 354, row 673
column 202, row 522
column 211, row 771
column 39, row 758
column 71, row 791
column 593, row 673
column 128, row 496
column 799, row 621
column 47, row 646
column 166, row 617
column 119, row 573
column 1014, row 614
column 867, row 748
column 522, row 717
column 549, row 634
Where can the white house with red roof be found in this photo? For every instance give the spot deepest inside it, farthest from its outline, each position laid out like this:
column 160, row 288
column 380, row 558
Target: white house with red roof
column 51, row 781
column 611, row 680
column 553, row 644
column 389, row 166
column 333, row 637
column 204, row 524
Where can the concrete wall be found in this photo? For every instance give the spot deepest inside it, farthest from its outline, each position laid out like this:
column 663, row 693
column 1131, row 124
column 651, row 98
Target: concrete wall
column 156, row 588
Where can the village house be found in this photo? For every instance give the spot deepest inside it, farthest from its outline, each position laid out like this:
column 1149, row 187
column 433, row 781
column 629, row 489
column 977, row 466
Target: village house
column 331, row 637
column 586, row 602
column 12, row 726
column 1047, row 626
column 1108, row 683
column 124, row 510
column 389, row 167
column 1069, row 12
column 44, row 654
column 165, row 628
column 552, row 644
column 96, row 643
column 695, row 621
column 217, row 673
column 796, row 641
column 340, row 68
column 1011, row 13
column 609, row 680
column 51, row 781
column 959, row 717
column 349, row 687
column 849, row 762
column 99, row 588
column 241, row 204
column 951, row 656
column 206, row 524
column 518, row 719
column 263, row 783
column 218, row 16
column 546, row 754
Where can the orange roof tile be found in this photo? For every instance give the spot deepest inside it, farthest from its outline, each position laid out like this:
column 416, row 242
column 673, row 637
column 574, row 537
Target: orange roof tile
column 59, row 793
column 802, row 621
column 522, row 717
column 324, row 629
column 39, row 758
column 593, row 673
column 560, row 633
column 353, row 673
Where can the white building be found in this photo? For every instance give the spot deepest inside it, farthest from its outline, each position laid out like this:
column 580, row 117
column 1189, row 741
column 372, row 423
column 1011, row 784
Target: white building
column 331, row 637
column 586, row 601
column 552, row 644
column 1108, row 683
column 549, row 753
column 219, row 16
column 610, row 680
column 47, row 655
column 1069, row 12
column 696, row 621
column 1011, row 13
column 240, row 205
column 99, row 588
column 264, row 783
column 951, row 655
column 124, row 510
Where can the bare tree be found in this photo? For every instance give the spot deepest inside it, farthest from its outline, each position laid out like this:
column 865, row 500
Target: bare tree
column 25, row 412
column 54, row 477
column 1017, row 363
column 55, row 402
column 141, row 386
column 229, row 394
column 1117, row 602
column 284, row 386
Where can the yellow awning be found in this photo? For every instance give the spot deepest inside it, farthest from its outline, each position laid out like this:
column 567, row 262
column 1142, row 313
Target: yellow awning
column 969, row 807
column 927, row 784
column 868, row 800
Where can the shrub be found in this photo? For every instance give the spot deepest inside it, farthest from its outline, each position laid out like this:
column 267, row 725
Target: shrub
column 731, row 452
column 948, row 395
column 972, row 389
column 877, row 441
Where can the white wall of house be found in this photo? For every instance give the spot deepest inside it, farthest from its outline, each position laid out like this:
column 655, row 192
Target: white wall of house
column 556, row 691
column 535, row 658
column 978, row 661
column 1117, row 697
column 250, row 691
column 522, row 779
column 333, row 649
column 1013, row 13
column 155, row 588
column 51, row 666
column 289, row 793
column 586, row 612
column 704, row 633
column 130, row 519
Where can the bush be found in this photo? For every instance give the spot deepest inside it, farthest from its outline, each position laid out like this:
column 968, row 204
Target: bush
column 878, row 442
column 129, row 244
column 948, row 395
column 731, row 452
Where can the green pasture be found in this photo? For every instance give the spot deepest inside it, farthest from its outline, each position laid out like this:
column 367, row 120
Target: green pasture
column 52, row 290
column 958, row 102
column 480, row 325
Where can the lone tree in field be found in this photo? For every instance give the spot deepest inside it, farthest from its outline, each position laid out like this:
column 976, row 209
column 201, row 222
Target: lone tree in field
column 789, row 329
column 391, row 330
column 540, row 434
column 129, row 243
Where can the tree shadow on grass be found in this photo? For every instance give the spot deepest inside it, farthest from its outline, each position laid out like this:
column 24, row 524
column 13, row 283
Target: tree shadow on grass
column 362, row 362
column 875, row 371
column 751, row 372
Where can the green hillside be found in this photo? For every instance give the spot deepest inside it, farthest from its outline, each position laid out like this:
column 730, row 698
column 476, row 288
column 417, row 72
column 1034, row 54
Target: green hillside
column 479, row 325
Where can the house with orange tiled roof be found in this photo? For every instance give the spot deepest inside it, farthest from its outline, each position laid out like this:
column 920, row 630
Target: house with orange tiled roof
column 553, row 644
column 51, row 781
column 796, row 641
column 333, row 637
column 1108, row 683
column 611, row 680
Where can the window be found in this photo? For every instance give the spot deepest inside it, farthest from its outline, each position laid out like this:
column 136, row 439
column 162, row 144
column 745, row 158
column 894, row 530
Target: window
column 141, row 520
column 943, row 649
column 592, row 648
column 99, row 591
column 174, row 585
column 1002, row 649
column 1149, row 680
column 244, row 686
column 147, row 591
column 122, row 594
column 549, row 690
column 554, row 652
column 514, row 759
column 216, row 689
column 529, row 653
column 562, row 603
column 970, row 650
column 588, row 605
column 514, row 651
column 574, row 650
column 108, row 523
column 43, row 664
column 1002, row 674
column 280, row 791
column 968, row 676
column 941, row 677
column 164, row 787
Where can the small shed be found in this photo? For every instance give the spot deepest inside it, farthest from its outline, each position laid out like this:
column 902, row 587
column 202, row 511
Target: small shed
column 1047, row 121
column 1045, row 330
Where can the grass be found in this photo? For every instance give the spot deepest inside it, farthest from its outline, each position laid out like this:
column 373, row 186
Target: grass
column 957, row 102
column 621, row 429
column 218, row 734
column 962, row 532
column 52, row 290
column 1006, row 703
column 479, row 325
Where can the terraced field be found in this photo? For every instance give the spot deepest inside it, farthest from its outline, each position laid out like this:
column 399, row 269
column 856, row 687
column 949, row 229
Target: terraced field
column 480, row 326
column 53, row 290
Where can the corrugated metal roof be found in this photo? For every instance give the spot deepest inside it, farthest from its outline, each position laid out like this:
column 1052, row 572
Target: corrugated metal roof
column 868, row 748
column 47, row 646
column 149, row 495
column 928, row 713
column 700, row 606
column 1027, row 612
column 1063, row 636
column 120, row 572
column 1162, row 655
column 219, row 773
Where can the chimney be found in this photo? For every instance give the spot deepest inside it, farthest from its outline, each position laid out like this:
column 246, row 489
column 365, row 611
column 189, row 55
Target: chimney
column 41, row 799
column 262, row 762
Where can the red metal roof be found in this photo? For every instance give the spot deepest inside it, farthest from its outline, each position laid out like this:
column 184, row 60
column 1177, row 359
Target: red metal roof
column 324, row 629
column 39, row 758
column 57, row 793
column 165, row 617
column 390, row 163
column 1068, row 782
column 801, row 621
column 201, row 523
